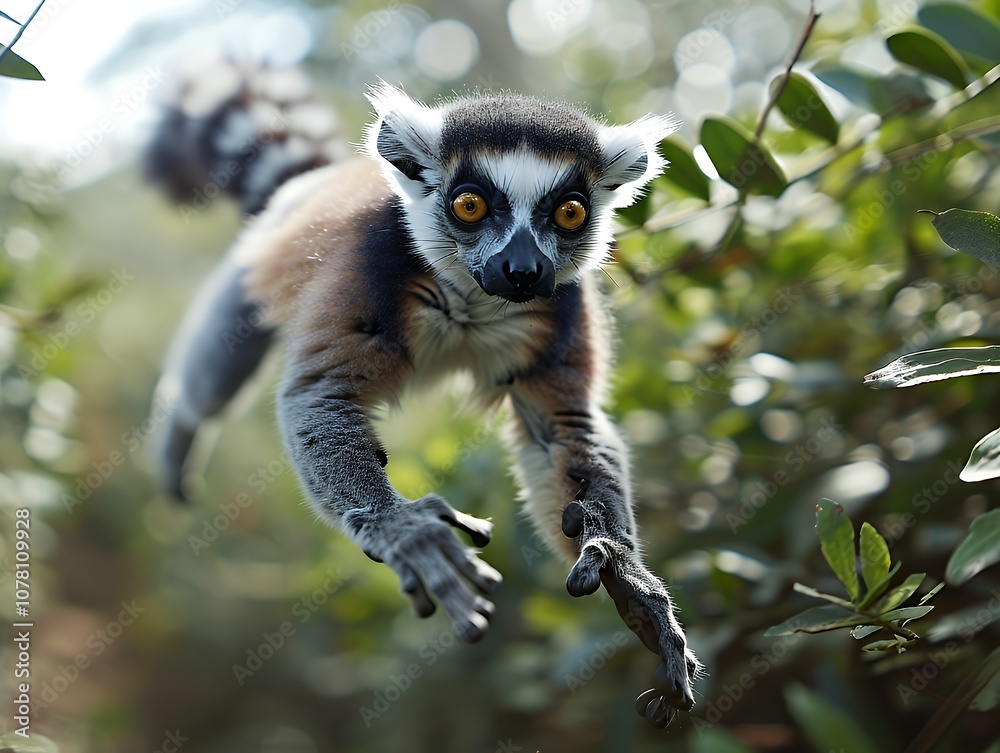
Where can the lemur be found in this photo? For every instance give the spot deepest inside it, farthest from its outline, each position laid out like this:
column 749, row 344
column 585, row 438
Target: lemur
column 467, row 237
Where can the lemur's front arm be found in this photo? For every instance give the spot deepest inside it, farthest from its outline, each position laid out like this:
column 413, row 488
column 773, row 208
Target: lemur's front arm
column 573, row 466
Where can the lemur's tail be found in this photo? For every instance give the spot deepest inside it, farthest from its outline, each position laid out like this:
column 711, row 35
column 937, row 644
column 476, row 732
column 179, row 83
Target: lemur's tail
column 242, row 129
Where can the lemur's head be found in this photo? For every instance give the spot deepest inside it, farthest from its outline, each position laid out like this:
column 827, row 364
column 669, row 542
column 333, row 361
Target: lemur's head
column 516, row 192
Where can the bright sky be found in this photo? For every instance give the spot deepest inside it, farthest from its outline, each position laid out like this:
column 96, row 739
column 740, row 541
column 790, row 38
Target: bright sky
column 74, row 114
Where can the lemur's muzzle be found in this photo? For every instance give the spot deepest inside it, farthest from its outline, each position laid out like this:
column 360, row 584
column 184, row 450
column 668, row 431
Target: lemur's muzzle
column 520, row 272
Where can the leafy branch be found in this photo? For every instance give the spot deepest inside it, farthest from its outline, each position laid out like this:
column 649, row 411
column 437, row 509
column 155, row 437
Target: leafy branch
column 13, row 65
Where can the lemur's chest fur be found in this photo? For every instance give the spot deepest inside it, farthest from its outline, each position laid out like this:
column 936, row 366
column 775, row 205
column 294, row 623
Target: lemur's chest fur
column 466, row 330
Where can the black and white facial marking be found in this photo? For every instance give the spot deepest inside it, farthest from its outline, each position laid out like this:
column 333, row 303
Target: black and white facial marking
column 509, row 192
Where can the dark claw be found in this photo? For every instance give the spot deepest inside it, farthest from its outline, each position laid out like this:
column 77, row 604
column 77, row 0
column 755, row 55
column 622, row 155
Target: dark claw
column 674, row 689
column 656, row 710
column 481, row 531
column 572, row 520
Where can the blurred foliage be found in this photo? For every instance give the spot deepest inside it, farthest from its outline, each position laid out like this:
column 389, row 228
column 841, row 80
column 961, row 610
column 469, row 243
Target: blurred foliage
column 777, row 263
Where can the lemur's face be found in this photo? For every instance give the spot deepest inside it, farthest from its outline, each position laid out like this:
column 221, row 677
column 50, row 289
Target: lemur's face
column 514, row 193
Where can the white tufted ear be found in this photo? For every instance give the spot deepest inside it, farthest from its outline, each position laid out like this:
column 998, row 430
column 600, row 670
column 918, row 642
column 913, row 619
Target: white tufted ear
column 632, row 156
column 405, row 133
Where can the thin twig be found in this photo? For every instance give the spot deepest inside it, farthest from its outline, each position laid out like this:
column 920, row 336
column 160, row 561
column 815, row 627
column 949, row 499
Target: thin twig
column 21, row 30
column 792, row 60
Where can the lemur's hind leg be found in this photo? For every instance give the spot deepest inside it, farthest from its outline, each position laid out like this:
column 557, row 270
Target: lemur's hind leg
column 218, row 347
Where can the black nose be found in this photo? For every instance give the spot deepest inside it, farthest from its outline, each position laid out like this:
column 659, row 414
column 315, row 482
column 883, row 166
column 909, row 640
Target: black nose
column 520, row 271
column 520, row 276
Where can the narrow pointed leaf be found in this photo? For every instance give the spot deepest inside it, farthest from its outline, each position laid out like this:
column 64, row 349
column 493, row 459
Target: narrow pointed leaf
column 881, row 645
column 863, row 631
column 905, row 614
column 899, row 594
column 836, row 540
column 742, row 164
column 817, row 620
column 964, row 27
column 802, row 107
column 4, row 15
column 809, row 591
column 874, row 556
column 878, row 589
column 13, row 65
column 976, row 234
column 935, row 366
column 984, row 463
column 928, row 52
column 979, row 550
column 826, row 726
column 683, row 170
column 930, row 594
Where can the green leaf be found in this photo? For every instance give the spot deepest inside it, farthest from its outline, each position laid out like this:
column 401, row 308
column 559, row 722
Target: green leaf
column 874, row 556
column 929, row 53
column 984, row 462
column 979, row 550
column 906, row 614
column 857, row 86
column 976, row 234
column 964, row 27
column 742, row 164
column 836, row 540
column 684, row 171
column 802, row 107
column 881, row 645
column 716, row 740
column 817, row 620
column 989, row 696
column 13, row 65
column 34, row 744
column 863, row 631
column 824, row 725
column 809, row 591
column 878, row 589
column 930, row 594
column 935, row 366
column 899, row 594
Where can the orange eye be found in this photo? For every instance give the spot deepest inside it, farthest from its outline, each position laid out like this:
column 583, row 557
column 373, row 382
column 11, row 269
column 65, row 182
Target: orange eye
column 570, row 215
column 469, row 207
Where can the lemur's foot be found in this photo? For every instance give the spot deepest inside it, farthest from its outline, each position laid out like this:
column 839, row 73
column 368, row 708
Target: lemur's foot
column 417, row 542
column 645, row 607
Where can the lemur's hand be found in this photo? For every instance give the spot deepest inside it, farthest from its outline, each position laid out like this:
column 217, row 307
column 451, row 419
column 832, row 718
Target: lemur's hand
column 644, row 605
column 416, row 540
